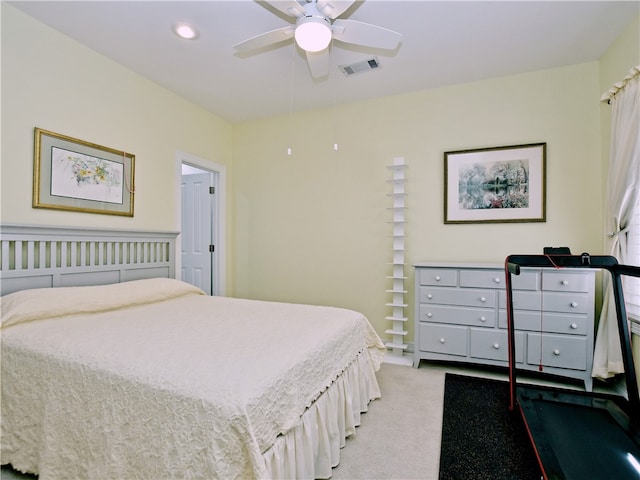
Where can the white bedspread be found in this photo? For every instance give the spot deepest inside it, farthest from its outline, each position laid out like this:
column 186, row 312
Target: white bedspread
column 189, row 386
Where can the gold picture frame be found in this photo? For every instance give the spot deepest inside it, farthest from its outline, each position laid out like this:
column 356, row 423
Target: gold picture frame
column 74, row 175
column 496, row 185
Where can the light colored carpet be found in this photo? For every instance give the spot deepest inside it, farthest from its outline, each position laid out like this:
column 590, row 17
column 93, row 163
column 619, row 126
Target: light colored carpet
column 399, row 438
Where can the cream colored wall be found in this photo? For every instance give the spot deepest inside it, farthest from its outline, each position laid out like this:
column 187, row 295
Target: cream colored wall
column 314, row 227
column 52, row 82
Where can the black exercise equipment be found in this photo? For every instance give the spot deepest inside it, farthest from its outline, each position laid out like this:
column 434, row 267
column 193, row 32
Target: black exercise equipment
column 580, row 435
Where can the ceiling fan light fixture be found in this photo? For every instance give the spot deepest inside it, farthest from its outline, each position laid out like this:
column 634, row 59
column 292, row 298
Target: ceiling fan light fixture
column 313, row 34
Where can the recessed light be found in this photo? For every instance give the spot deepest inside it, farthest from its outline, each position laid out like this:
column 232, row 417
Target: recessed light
column 184, row 30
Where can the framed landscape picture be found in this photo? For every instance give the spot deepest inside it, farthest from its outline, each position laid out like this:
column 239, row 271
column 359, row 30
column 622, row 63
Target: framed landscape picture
column 496, row 185
column 71, row 174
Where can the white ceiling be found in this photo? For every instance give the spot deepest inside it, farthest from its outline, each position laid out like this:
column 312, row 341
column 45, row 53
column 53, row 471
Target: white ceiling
column 444, row 43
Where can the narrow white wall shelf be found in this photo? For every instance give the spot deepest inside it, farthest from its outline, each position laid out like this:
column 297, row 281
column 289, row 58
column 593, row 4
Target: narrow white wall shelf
column 397, row 304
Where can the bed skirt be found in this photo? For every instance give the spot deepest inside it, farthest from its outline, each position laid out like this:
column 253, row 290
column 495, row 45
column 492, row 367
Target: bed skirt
column 312, row 448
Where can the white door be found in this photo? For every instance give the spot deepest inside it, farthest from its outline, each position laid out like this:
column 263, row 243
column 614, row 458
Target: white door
column 197, row 220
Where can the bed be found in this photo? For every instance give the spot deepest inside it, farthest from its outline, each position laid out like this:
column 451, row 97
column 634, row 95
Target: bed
column 147, row 377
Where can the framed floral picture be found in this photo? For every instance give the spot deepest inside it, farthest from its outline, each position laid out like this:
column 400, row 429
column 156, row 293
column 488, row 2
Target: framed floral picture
column 496, row 185
column 71, row 174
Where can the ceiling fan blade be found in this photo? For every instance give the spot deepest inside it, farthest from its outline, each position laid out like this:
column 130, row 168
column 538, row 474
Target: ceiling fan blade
column 334, row 8
column 288, row 7
column 318, row 63
column 265, row 39
column 365, row 34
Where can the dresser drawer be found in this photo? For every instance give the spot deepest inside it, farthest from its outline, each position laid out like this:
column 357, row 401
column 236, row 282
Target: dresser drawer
column 483, row 317
column 482, row 278
column 438, row 276
column 494, row 345
column 443, row 339
column 550, row 322
column 453, row 296
column 566, row 282
column 496, row 279
column 522, row 300
column 571, row 302
column 527, row 280
column 557, row 351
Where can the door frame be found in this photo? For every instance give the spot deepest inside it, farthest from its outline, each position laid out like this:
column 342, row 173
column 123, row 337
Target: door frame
column 218, row 270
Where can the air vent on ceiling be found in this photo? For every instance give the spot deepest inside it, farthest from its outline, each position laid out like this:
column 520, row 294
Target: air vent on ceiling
column 359, row 67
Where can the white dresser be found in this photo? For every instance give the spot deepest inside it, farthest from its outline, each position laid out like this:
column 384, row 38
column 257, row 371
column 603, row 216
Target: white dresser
column 461, row 315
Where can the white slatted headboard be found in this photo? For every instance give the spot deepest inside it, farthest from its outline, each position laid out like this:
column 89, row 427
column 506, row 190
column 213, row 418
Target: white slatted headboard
column 41, row 256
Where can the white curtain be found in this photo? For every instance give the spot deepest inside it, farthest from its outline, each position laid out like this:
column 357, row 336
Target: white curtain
column 623, row 192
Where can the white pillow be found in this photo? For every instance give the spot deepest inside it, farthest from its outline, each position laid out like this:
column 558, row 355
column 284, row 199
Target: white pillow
column 40, row 303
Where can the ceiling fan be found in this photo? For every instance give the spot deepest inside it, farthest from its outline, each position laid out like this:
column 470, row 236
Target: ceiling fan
column 316, row 25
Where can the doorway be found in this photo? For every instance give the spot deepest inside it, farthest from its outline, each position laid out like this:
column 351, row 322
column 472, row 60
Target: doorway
column 201, row 241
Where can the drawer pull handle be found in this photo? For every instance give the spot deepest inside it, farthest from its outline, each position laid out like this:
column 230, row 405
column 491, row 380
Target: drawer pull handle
column 429, row 314
column 483, row 299
column 483, row 319
column 496, row 280
column 574, row 304
column 556, row 352
column 437, row 278
column 429, row 296
column 442, row 340
column 574, row 326
column 496, row 346
column 565, row 282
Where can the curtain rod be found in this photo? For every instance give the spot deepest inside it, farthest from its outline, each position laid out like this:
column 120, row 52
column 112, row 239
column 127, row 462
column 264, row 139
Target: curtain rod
column 609, row 94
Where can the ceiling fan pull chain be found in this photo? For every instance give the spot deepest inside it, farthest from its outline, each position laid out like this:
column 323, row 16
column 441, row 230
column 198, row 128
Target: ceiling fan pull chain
column 293, row 84
column 333, row 107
